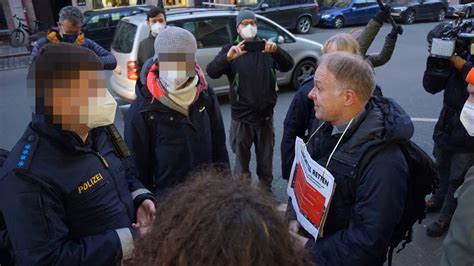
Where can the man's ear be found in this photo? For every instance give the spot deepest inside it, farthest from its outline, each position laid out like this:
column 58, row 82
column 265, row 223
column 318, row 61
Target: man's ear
column 350, row 97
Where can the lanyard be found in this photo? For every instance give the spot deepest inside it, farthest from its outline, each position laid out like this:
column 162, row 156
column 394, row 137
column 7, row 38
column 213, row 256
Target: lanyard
column 338, row 142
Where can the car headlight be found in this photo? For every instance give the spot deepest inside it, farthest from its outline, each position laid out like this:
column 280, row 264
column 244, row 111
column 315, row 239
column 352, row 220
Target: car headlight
column 325, row 16
column 400, row 9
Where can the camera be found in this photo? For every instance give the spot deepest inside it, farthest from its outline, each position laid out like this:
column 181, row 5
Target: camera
column 445, row 40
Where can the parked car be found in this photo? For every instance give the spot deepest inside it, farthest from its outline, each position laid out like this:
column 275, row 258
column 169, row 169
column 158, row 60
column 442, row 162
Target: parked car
column 466, row 6
column 213, row 29
column 298, row 15
column 413, row 10
column 348, row 12
column 100, row 25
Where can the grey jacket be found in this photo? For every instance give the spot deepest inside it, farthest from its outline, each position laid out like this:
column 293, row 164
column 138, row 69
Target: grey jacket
column 458, row 247
column 367, row 37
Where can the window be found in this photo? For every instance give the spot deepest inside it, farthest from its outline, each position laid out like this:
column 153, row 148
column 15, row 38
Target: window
column 209, row 33
column 124, row 37
column 117, row 16
column 273, row 3
column 98, row 22
column 271, row 33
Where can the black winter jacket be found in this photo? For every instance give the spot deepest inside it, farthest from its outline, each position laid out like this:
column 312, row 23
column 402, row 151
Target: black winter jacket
column 449, row 133
column 66, row 202
column 298, row 120
column 367, row 203
column 166, row 144
column 252, row 80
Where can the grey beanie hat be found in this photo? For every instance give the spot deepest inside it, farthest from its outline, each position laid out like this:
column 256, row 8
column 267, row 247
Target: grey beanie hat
column 245, row 14
column 174, row 40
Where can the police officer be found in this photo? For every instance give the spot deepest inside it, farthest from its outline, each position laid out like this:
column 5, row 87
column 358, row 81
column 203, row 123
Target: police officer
column 67, row 190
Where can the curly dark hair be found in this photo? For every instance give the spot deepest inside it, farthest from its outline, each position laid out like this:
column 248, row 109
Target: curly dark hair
column 216, row 220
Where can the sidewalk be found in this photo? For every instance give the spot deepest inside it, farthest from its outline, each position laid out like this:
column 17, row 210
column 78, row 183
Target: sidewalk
column 12, row 58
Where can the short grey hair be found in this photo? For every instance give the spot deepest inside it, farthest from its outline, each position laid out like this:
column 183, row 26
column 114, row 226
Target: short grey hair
column 72, row 14
column 351, row 71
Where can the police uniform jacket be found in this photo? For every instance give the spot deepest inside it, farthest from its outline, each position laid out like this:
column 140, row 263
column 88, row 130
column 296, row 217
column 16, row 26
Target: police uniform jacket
column 66, row 202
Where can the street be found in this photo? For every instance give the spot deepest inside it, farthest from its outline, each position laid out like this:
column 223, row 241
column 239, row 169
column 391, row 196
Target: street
column 400, row 79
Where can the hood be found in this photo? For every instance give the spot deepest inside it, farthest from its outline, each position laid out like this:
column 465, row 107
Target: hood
column 383, row 122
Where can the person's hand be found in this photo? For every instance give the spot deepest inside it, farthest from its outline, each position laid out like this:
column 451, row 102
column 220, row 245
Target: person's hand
column 270, row 47
column 236, row 51
column 294, row 226
column 458, row 62
column 145, row 214
column 299, row 242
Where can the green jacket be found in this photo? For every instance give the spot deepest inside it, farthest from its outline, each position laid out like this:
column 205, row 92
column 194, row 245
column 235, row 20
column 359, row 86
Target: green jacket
column 365, row 40
column 145, row 51
column 458, row 246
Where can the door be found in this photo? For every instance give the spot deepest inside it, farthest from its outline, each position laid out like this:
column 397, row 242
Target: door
column 98, row 29
column 273, row 11
column 424, row 9
column 354, row 14
column 371, row 9
column 289, row 13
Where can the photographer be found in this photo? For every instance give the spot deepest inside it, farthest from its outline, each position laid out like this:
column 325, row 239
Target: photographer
column 454, row 148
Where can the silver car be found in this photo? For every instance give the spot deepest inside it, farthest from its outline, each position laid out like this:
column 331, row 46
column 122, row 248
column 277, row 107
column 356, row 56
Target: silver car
column 213, row 29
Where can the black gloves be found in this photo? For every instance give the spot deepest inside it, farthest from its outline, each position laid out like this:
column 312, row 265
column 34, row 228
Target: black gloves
column 382, row 15
column 395, row 31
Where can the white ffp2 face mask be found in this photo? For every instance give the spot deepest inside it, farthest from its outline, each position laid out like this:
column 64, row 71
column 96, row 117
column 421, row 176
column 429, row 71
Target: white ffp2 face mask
column 467, row 117
column 248, row 32
column 101, row 111
column 157, row 28
column 173, row 79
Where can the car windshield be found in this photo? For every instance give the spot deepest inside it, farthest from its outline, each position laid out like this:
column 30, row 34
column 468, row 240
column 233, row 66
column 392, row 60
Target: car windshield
column 123, row 37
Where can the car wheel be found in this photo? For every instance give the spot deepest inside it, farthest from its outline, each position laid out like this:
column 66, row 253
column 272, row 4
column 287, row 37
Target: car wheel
column 338, row 22
column 441, row 15
column 410, row 17
column 303, row 70
column 303, row 25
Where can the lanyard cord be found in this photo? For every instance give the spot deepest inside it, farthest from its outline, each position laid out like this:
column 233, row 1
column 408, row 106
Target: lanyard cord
column 314, row 133
column 338, row 142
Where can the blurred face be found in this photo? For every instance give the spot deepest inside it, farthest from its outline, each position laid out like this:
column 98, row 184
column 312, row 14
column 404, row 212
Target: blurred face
column 328, row 102
column 69, row 98
column 160, row 18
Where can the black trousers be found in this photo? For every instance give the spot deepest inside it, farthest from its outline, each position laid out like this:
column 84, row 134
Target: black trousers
column 242, row 136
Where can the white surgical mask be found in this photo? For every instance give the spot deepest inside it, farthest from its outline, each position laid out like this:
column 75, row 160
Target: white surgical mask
column 173, row 79
column 101, row 111
column 467, row 117
column 157, row 28
column 248, row 32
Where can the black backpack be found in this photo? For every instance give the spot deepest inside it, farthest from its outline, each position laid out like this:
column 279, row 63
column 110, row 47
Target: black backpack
column 421, row 182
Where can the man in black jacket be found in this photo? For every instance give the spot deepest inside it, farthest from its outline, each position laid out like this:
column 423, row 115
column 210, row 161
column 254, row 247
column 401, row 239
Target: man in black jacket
column 175, row 124
column 68, row 192
column 454, row 148
column 156, row 20
column 253, row 96
column 369, row 197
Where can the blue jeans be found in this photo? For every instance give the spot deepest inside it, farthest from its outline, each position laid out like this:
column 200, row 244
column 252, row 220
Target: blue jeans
column 452, row 168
